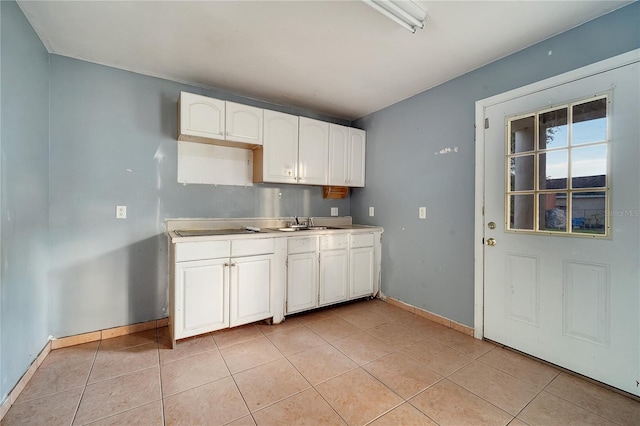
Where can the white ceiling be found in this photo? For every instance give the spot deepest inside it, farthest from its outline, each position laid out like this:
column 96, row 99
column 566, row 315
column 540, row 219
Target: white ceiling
column 340, row 58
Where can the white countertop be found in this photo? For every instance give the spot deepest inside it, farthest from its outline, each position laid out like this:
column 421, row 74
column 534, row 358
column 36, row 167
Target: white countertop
column 268, row 227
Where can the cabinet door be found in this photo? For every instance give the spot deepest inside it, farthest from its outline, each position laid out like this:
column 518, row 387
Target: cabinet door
column 280, row 147
column 201, row 297
column 313, row 148
column 361, row 272
column 250, row 289
column 302, row 282
column 244, row 123
column 201, row 117
column 357, row 145
column 338, row 153
column 334, row 275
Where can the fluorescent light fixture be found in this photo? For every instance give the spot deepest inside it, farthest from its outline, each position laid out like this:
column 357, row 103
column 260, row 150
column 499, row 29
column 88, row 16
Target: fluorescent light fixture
column 405, row 12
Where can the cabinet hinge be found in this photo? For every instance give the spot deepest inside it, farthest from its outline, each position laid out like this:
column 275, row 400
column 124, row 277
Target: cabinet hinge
column 486, row 123
column 286, row 262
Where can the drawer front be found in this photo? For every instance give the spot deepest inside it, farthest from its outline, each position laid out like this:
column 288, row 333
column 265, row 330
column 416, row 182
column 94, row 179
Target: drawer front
column 202, row 250
column 333, row 242
column 361, row 240
column 252, row 247
column 302, row 245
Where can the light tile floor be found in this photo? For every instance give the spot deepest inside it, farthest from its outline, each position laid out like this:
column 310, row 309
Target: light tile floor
column 363, row 363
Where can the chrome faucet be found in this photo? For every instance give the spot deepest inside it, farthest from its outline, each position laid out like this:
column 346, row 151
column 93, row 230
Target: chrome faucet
column 310, row 221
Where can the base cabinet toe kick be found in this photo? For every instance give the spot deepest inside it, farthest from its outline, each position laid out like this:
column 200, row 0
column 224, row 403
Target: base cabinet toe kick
column 228, row 282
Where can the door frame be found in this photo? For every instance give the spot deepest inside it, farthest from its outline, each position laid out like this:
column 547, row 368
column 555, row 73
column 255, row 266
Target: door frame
column 479, row 228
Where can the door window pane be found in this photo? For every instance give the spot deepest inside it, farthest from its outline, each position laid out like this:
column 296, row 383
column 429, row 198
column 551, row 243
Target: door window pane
column 559, row 183
column 589, row 122
column 522, row 137
column 553, row 169
column 589, row 167
column 553, row 212
column 588, row 212
column 553, row 129
column 521, row 212
column 522, row 173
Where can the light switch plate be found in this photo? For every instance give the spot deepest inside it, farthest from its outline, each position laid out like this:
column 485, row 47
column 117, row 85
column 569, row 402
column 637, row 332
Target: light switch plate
column 371, row 212
column 422, row 213
column 121, row 212
column 334, row 211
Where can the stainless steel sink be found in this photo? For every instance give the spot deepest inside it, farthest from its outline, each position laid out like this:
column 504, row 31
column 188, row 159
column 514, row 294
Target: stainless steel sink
column 308, row 228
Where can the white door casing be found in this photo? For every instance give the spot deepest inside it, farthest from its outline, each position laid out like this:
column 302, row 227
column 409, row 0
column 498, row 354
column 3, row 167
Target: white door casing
column 570, row 300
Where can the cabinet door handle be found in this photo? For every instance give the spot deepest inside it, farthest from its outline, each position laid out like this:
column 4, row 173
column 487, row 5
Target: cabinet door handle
column 233, row 264
column 226, row 264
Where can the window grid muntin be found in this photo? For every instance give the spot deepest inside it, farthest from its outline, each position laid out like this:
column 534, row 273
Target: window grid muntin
column 569, row 191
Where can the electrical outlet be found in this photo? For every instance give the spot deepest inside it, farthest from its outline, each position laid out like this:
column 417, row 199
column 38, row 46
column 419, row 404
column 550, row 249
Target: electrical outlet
column 422, row 212
column 121, row 212
column 334, row 211
column 370, row 211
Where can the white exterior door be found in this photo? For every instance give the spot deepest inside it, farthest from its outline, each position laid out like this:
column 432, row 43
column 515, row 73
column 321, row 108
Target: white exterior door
column 562, row 209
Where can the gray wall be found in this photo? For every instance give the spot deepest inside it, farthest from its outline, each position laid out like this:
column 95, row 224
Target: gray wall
column 429, row 263
column 24, row 193
column 113, row 142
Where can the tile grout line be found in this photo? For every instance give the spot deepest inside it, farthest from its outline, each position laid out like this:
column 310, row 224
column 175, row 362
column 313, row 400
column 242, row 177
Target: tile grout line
column 164, row 421
column 314, row 386
column 571, row 402
column 120, row 375
column 84, row 388
column 234, row 379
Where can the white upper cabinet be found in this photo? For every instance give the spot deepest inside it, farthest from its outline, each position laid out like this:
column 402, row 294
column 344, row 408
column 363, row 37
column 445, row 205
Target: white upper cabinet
column 346, row 156
column 357, row 146
column 244, row 123
column 201, row 118
column 277, row 160
column 214, row 121
column 287, row 148
column 312, row 152
column 338, row 154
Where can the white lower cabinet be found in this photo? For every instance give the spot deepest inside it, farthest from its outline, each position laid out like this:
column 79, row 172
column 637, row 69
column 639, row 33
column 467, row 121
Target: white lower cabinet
column 302, row 274
column 201, row 297
column 334, row 284
column 250, row 294
column 361, row 265
column 230, row 289
column 360, row 272
column 334, row 268
column 327, row 269
column 217, row 284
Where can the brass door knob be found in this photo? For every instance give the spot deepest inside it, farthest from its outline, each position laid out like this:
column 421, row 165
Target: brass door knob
column 491, row 242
